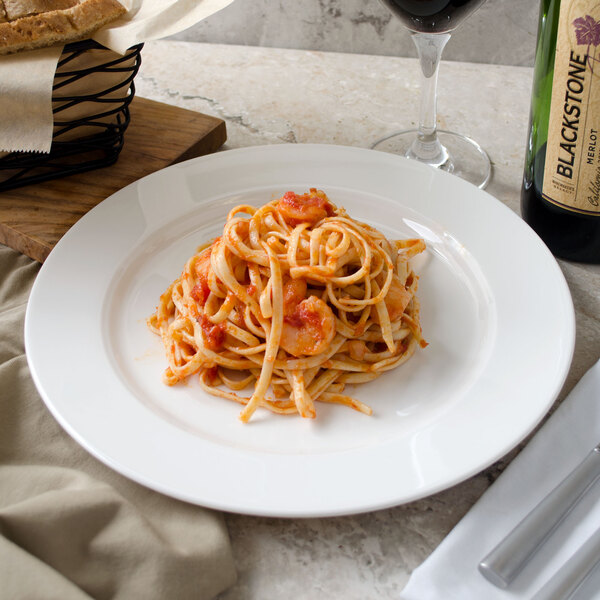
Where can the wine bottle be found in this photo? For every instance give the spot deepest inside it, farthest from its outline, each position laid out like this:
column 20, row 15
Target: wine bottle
column 560, row 197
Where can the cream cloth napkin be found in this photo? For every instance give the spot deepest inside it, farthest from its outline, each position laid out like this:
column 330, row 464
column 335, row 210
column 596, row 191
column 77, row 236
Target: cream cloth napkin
column 450, row 573
column 70, row 528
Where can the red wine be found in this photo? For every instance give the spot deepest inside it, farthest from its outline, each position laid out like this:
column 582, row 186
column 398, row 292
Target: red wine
column 570, row 235
column 432, row 16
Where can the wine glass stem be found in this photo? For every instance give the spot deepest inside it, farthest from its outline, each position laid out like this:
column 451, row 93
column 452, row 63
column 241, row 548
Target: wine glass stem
column 426, row 147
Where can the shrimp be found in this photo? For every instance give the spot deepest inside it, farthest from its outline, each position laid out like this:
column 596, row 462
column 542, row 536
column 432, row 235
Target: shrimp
column 202, row 265
column 308, row 323
column 294, row 291
column 307, row 208
column 201, row 290
column 397, row 299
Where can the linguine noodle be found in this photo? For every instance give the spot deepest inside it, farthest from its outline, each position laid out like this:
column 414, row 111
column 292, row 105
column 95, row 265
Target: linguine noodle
column 296, row 299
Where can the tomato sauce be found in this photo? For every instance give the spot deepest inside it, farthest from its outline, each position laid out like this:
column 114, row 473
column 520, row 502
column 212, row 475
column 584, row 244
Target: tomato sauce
column 200, row 292
column 212, row 374
column 212, row 335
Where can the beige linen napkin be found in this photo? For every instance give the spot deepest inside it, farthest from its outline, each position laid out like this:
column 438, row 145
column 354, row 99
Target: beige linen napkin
column 70, row 528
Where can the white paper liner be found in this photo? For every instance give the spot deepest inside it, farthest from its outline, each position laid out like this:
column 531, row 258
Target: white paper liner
column 26, row 120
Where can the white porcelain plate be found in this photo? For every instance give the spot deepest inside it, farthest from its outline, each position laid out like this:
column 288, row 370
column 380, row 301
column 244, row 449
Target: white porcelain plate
column 496, row 312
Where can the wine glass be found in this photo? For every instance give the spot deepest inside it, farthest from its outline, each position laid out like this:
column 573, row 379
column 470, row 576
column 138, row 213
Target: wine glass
column 430, row 23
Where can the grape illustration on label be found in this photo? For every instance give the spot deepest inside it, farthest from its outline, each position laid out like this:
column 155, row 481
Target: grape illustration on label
column 587, row 33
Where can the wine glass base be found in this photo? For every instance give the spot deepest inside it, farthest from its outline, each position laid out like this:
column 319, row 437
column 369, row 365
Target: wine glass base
column 464, row 157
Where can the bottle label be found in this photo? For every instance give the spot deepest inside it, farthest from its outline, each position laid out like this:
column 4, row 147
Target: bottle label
column 572, row 171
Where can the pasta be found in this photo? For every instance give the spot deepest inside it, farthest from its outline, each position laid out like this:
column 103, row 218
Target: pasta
column 296, row 300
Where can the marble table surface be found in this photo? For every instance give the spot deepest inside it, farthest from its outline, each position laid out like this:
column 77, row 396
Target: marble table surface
column 271, row 96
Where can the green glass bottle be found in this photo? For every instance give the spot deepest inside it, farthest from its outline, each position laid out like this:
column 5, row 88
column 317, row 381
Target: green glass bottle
column 560, row 197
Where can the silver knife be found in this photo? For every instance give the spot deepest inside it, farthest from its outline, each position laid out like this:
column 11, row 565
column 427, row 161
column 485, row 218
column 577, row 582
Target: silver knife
column 573, row 573
column 509, row 557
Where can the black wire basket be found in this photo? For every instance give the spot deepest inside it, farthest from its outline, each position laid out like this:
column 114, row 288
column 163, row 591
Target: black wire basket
column 93, row 88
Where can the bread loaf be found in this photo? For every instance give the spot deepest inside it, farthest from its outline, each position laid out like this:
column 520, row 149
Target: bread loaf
column 29, row 24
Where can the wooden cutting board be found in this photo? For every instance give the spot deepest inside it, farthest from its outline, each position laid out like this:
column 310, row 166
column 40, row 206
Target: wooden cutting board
column 33, row 218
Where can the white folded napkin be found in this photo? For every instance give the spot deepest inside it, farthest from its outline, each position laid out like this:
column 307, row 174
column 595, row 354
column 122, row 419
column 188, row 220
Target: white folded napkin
column 450, row 573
